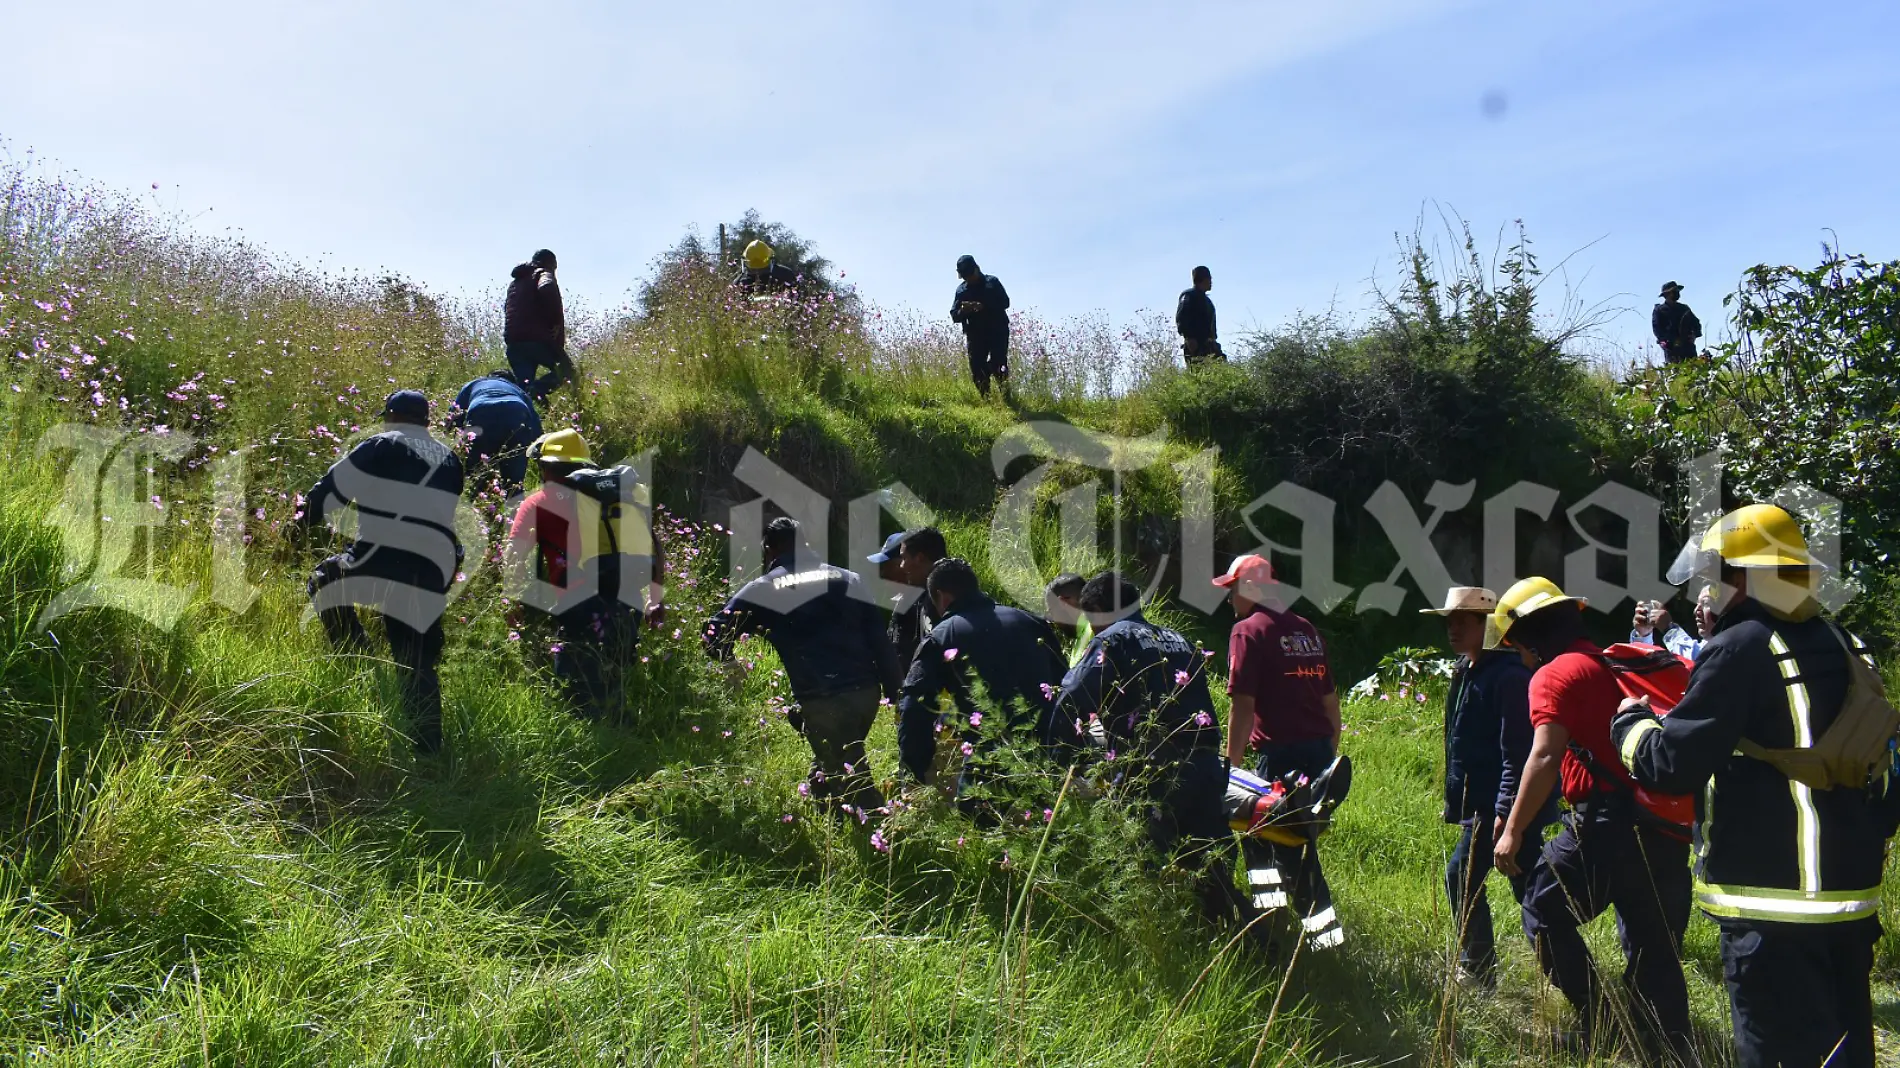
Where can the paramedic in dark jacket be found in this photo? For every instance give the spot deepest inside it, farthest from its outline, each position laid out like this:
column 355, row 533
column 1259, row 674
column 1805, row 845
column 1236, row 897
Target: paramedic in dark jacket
column 1016, row 656
column 1147, row 686
column 831, row 641
column 1194, row 321
column 1487, row 739
column 498, row 418
column 1790, row 873
column 405, row 486
column 534, row 326
column 982, row 306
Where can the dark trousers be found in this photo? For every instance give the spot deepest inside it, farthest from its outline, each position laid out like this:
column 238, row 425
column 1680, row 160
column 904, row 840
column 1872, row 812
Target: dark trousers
column 835, row 725
column 503, row 433
column 1471, row 863
column 1798, row 992
column 1187, row 822
column 989, row 358
column 526, row 358
column 1199, row 351
column 1274, row 869
column 1602, row 859
column 1680, row 352
column 415, row 654
column 597, row 641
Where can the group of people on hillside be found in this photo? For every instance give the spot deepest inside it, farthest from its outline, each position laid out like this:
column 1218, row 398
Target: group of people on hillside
column 1766, row 744
column 1091, row 679
column 1765, row 740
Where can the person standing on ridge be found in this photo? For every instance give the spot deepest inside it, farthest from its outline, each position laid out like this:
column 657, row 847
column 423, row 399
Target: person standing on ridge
column 835, row 653
column 1612, row 852
column 1284, row 708
column 1675, row 326
column 1794, row 819
column 498, row 418
column 1016, row 657
column 405, row 486
column 982, row 306
column 534, row 327
column 589, row 546
column 1194, row 320
column 763, row 276
column 1487, row 740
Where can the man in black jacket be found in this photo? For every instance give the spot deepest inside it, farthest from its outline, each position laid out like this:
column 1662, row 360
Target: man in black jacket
column 1675, row 326
column 534, row 326
column 1194, row 320
column 1147, row 686
column 1487, row 739
column 404, row 485
column 982, row 306
column 1015, row 656
column 920, row 551
column 836, row 657
column 1789, row 871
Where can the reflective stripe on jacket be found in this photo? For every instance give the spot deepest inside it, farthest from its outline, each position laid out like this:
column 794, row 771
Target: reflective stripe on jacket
column 1767, row 847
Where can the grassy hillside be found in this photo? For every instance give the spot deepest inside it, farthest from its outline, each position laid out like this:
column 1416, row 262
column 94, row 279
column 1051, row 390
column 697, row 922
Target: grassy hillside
column 215, row 848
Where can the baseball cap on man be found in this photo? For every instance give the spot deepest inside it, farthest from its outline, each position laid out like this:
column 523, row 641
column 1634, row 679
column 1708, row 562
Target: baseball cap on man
column 965, row 264
column 889, row 551
column 408, row 404
column 1249, row 567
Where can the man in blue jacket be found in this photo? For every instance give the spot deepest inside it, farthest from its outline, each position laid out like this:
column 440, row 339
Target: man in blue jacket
column 1487, row 739
column 982, row 306
column 404, row 486
column 837, row 658
column 1015, row 656
column 496, row 414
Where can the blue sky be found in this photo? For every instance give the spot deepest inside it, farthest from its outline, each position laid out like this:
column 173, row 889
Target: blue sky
column 1087, row 154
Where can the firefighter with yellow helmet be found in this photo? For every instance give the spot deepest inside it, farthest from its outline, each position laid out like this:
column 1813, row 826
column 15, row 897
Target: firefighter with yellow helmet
column 581, row 554
column 763, row 275
column 1786, row 738
column 1612, row 851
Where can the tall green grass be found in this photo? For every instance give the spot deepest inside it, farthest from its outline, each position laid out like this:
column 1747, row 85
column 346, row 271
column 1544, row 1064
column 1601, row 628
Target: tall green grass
column 215, row 846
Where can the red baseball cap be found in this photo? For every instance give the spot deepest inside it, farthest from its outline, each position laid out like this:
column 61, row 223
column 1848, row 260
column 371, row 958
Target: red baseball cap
column 1247, row 568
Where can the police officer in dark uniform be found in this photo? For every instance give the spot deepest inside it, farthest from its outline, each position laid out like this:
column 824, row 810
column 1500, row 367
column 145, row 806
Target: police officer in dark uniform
column 1147, row 686
column 831, row 641
column 1789, row 870
column 1194, row 320
column 404, row 485
column 1016, row 656
column 1675, row 326
column 982, row 306
column 920, row 551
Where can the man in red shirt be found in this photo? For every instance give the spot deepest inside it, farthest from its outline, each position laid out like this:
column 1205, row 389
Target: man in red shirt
column 581, row 552
column 1284, row 707
column 1609, row 853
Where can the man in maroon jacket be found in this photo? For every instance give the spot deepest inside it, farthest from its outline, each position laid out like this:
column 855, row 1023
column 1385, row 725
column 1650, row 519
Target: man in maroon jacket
column 1285, row 709
column 535, row 327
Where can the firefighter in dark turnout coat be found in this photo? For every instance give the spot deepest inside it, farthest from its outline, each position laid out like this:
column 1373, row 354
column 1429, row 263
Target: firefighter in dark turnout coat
column 1789, row 872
